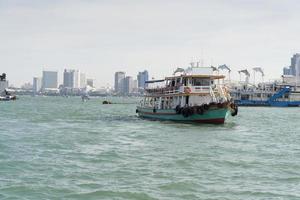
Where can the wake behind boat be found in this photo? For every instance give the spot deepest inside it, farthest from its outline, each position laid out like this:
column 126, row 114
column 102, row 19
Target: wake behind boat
column 192, row 95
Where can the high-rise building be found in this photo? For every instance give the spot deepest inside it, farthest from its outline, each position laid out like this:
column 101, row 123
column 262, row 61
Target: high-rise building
column 128, row 85
column 119, row 82
column 142, row 77
column 82, row 80
column 49, row 80
column 76, row 79
column 36, row 85
column 90, row 82
column 71, row 79
column 68, row 81
column 295, row 66
column 286, row 71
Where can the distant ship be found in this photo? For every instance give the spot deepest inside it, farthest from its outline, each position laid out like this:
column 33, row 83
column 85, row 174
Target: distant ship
column 278, row 93
column 191, row 95
column 270, row 94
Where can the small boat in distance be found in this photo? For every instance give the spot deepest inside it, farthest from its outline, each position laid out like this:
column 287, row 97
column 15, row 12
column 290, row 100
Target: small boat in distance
column 5, row 94
column 192, row 95
column 8, row 98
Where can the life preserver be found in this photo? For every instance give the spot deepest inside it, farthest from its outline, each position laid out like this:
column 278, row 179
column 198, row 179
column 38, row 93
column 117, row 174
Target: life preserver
column 187, row 90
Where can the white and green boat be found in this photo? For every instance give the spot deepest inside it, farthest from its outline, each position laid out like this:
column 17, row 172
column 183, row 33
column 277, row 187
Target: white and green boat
column 196, row 94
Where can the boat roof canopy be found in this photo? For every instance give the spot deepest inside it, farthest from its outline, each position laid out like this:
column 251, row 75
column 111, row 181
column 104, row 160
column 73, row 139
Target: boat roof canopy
column 197, row 76
column 155, row 81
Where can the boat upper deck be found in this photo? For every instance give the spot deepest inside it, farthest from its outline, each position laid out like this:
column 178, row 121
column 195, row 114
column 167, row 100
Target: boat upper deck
column 211, row 77
column 193, row 81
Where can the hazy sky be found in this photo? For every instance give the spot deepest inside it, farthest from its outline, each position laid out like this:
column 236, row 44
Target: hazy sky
column 100, row 37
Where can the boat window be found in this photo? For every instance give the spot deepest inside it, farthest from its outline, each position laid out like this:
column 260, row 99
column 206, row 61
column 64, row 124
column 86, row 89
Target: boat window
column 200, row 82
column 184, row 81
column 177, row 81
column 245, row 97
column 173, row 83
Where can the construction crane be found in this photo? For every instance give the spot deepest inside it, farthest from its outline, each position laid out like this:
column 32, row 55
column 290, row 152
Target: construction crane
column 224, row 66
column 245, row 71
column 258, row 69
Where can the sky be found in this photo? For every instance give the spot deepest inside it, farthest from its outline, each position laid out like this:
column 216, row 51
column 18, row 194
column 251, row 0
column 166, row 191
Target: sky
column 100, row 37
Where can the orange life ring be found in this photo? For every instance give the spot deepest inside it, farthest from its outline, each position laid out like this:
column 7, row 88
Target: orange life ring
column 187, row 90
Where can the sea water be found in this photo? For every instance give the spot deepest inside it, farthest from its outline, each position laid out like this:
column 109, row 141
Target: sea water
column 63, row 148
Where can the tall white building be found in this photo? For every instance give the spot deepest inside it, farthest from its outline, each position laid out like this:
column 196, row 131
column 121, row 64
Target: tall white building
column 36, row 85
column 82, row 80
column 119, row 82
column 49, row 80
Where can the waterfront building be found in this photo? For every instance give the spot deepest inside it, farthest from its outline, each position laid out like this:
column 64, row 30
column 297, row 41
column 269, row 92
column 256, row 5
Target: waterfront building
column 27, row 86
column 82, row 80
column 294, row 67
column 286, row 71
column 128, row 85
column 71, row 79
column 49, row 80
column 142, row 77
column 119, row 82
column 90, row 82
column 36, row 85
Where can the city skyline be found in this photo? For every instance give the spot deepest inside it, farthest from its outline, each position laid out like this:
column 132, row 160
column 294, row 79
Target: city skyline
column 103, row 37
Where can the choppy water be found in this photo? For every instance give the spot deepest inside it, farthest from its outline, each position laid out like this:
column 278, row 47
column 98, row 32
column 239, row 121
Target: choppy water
column 62, row 148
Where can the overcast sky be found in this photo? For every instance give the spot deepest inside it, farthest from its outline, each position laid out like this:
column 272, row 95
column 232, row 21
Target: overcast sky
column 100, row 37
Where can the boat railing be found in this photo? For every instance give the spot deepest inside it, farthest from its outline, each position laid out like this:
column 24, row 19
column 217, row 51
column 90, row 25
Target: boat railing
column 212, row 94
column 222, row 92
column 179, row 89
column 195, row 89
column 163, row 90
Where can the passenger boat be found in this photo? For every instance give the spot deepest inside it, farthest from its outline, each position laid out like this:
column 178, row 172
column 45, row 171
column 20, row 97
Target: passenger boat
column 283, row 93
column 8, row 98
column 195, row 94
column 274, row 95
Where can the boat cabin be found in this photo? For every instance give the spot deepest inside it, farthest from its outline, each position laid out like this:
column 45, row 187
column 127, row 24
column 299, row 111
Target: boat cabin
column 191, row 88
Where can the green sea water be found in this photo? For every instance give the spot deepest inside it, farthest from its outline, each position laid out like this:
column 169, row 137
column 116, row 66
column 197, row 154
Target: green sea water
column 63, row 148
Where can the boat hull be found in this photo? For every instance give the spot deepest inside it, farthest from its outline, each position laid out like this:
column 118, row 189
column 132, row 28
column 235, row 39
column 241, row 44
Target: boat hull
column 212, row 116
column 268, row 103
column 8, row 98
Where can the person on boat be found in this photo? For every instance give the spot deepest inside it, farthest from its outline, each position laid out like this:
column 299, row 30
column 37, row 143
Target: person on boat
column 6, row 92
